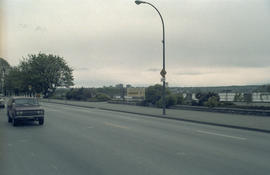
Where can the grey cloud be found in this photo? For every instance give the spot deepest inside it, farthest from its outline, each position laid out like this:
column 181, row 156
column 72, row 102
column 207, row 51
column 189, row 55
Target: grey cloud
column 153, row 69
column 23, row 26
column 40, row 28
column 121, row 35
column 81, row 69
column 187, row 73
column 222, row 35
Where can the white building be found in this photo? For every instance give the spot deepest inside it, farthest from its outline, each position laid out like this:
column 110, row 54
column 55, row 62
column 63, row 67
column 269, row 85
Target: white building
column 227, row 96
column 261, row 97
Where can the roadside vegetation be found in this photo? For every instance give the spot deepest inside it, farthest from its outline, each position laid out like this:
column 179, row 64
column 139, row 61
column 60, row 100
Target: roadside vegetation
column 153, row 97
column 50, row 76
column 37, row 74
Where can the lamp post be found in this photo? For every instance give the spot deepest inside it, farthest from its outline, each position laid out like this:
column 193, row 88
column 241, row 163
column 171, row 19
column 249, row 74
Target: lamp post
column 163, row 71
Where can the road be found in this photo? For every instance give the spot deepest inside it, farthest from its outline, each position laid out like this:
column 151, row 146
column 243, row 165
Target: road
column 85, row 141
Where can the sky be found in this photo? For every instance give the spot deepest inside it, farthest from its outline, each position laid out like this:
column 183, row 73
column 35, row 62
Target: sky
column 208, row 42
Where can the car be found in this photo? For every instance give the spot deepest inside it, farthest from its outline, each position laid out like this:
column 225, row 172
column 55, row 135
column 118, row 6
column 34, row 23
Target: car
column 24, row 109
column 2, row 103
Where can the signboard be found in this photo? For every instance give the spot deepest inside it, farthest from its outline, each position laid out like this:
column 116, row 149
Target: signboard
column 163, row 72
column 136, row 92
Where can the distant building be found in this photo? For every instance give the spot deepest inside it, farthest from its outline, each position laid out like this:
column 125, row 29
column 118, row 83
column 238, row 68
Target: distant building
column 188, row 97
column 227, row 96
column 261, row 97
column 119, row 86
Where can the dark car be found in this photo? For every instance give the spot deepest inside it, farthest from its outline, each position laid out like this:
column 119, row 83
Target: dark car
column 24, row 108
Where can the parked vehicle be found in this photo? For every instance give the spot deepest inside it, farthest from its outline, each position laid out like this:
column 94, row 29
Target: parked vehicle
column 24, row 108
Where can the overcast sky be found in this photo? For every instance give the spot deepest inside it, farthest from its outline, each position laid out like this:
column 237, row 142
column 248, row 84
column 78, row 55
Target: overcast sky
column 208, row 42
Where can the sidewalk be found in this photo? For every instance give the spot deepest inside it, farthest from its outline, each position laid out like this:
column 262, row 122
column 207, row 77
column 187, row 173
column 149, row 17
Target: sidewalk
column 247, row 122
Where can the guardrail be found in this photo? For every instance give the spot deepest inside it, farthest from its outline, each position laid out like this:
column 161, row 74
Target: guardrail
column 265, row 113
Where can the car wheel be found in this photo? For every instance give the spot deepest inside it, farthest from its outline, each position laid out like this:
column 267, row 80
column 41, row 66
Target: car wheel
column 14, row 122
column 41, row 121
column 9, row 120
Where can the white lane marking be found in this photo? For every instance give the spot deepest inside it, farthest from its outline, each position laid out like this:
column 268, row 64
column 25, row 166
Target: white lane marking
column 33, row 154
column 23, row 140
column 181, row 153
column 54, row 167
column 222, row 135
column 115, row 125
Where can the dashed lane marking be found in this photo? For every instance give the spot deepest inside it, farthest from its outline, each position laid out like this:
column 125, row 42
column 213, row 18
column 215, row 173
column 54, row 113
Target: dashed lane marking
column 222, row 135
column 116, row 125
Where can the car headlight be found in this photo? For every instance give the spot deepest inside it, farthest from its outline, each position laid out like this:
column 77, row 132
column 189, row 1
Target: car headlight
column 41, row 112
column 19, row 113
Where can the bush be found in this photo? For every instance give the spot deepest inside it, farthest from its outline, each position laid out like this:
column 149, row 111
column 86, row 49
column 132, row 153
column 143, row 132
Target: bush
column 212, row 102
column 204, row 97
column 79, row 94
column 226, row 104
column 170, row 100
column 153, row 95
column 180, row 99
column 238, row 97
column 143, row 103
column 102, row 97
column 194, row 103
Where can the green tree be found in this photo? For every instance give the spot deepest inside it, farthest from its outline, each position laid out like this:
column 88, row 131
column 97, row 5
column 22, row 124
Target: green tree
column 248, row 97
column 238, row 97
column 14, row 82
column 153, row 95
column 179, row 99
column 4, row 69
column 212, row 102
column 102, row 97
column 44, row 73
column 203, row 97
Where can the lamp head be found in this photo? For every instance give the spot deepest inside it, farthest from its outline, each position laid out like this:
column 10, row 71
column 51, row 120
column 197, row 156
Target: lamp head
column 139, row 2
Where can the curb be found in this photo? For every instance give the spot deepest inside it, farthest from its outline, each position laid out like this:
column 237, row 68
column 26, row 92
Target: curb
column 172, row 118
column 259, row 113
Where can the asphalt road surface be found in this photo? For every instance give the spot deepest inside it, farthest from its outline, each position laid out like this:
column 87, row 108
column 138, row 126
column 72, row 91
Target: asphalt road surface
column 81, row 141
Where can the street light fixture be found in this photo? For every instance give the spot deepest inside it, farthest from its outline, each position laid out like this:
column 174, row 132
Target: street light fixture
column 139, row 2
column 163, row 71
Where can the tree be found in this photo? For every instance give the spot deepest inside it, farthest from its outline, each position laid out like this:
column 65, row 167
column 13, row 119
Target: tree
column 14, row 81
column 239, row 97
column 180, row 99
column 248, row 97
column 102, row 97
column 44, row 73
column 212, row 102
column 153, row 95
column 203, row 97
column 4, row 68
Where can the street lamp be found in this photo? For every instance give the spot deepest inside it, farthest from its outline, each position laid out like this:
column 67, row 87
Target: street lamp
column 163, row 71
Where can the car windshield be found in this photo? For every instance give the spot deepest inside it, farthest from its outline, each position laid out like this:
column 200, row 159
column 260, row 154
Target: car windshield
column 26, row 102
